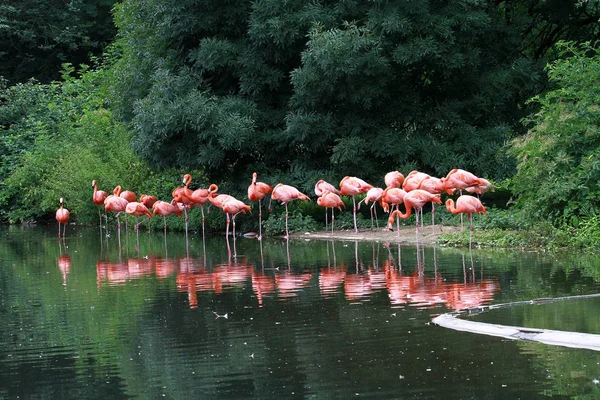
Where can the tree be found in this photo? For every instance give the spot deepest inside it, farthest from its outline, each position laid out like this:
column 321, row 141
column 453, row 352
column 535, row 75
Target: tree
column 37, row 36
column 559, row 158
column 325, row 89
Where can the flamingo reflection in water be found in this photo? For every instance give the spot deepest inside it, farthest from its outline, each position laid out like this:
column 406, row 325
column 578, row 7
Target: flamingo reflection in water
column 263, row 286
column 122, row 271
column 64, row 261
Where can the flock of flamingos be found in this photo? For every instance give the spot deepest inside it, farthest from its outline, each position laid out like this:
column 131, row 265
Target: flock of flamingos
column 414, row 191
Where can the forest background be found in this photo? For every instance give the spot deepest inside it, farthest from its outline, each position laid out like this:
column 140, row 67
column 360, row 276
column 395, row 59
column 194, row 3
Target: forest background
column 138, row 92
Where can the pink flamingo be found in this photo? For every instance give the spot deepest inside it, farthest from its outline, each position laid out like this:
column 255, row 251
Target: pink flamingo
column 138, row 210
column 330, row 200
column 62, row 216
column 218, row 200
column 466, row 205
column 460, row 179
column 256, row 192
column 197, row 197
column 285, row 194
column 323, row 186
column 179, row 196
column 233, row 207
column 165, row 209
column 394, row 179
column 374, row 195
column 414, row 199
column 98, row 197
column 116, row 203
column 351, row 186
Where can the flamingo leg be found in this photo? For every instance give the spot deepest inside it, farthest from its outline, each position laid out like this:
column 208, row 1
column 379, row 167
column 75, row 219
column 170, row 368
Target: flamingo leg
column 470, row 230
column 332, row 217
column 59, row 229
column 259, row 221
column 376, row 218
column 354, row 203
column 227, row 229
column 287, row 235
column 202, row 209
column 326, row 218
column 186, row 219
column 433, row 216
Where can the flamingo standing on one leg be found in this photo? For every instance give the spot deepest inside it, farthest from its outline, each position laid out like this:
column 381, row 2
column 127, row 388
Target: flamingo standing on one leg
column 374, row 195
column 466, row 205
column 256, row 192
column 285, row 194
column 62, row 216
column 330, row 200
column 415, row 199
column 98, row 197
column 323, row 186
column 165, row 209
column 351, row 186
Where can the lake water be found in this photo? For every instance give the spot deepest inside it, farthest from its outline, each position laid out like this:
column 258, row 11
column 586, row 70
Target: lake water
column 162, row 317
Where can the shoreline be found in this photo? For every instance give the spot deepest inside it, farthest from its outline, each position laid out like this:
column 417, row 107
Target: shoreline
column 406, row 234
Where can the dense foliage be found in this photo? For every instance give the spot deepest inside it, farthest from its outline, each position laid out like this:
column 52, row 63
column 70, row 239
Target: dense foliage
column 559, row 159
column 325, row 88
column 37, row 36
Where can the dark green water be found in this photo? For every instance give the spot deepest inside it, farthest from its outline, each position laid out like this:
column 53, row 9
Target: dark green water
column 156, row 318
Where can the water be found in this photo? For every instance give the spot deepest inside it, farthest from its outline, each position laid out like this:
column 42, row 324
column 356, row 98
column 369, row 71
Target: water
column 155, row 318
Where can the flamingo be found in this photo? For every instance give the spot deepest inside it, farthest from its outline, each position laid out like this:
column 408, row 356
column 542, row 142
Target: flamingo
column 137, row 210
column 98, row 197
column 434, row 186
column 374, row 194
column 128, row 195
column 179, row 196
column 414, row 199
column 323, row 186
column 330, row 200
column 256, row 192
column 394, row 179
column 218, row 200
column 197, row 197
column 393, row 196
column 233, row 207
column 413, row 180
column 351, row 186
column 481, row 188
column 460, row 179
column 285, row 194
column 62, row 216
column 469, row 205
column 148, row 200
column 165, row 209
column 466, row 204
column 116, row 203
